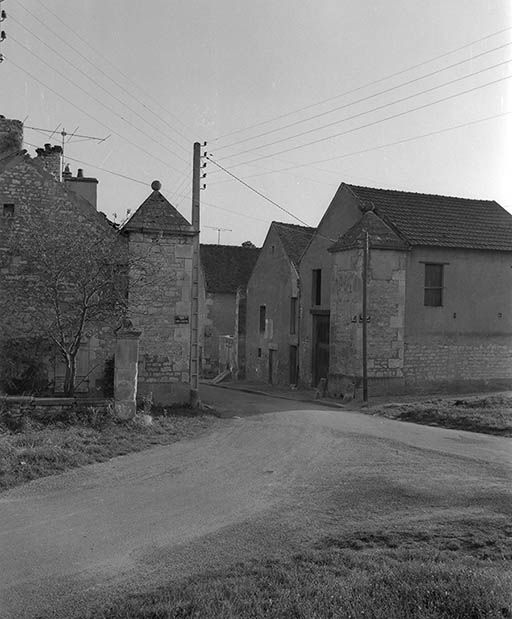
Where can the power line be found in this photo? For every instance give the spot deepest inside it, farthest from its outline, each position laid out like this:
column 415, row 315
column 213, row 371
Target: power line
column 118, row 70
column 93, row 117
column 375, row 109
column 367, row 98
column 373, row 148
column 368, row 84
column 376, row 122
column 92, row 165
column 262, row 195
column 98, row 85
column 109, row 77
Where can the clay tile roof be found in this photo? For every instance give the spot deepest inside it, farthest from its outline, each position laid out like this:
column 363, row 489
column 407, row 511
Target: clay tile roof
column 156, row 213
column 441, row 221
column 227, row 267
column 381, row 236
column 294, row 239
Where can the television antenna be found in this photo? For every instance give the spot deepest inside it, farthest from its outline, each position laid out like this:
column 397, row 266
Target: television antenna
column 219, row 231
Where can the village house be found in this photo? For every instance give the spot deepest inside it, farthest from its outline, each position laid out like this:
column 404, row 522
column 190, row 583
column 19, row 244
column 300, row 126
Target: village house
column 224, row 273
column 147, row 263
column 315, row 276
column 439, row 291
column 273, row 300
column 39, row 211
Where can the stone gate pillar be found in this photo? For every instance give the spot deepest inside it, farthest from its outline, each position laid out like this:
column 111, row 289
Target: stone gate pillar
column 125, row 371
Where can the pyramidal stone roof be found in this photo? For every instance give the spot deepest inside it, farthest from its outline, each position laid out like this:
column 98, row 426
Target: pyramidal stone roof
column 440, row 221
column 227, row 267
column 156, row 213
column 294, row 239
column 380, row 235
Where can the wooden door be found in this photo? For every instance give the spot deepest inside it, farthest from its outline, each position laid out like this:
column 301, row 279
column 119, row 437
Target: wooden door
column 293, row 365
column 320, row 347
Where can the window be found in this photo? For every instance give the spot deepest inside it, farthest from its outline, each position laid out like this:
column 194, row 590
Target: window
column 293, row 315
column 263, row 318
column 433, row 285
column 8, row 210
column 259, row 352
column 316, row 287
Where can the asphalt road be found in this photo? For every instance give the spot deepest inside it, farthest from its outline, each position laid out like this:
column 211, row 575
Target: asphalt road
column 258, row 485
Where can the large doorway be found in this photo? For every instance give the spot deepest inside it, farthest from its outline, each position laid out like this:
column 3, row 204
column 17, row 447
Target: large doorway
column 293, row 365
column 320, row 347
column 271, row 356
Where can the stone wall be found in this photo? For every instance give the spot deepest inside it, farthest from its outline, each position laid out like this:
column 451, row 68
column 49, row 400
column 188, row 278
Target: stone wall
column 159, row 306
column 273, row 282
column 46, row 215
column 458, row 363
column 386, row 305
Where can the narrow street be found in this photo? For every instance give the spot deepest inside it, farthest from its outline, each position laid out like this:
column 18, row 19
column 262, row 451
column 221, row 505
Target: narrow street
column 273, row 478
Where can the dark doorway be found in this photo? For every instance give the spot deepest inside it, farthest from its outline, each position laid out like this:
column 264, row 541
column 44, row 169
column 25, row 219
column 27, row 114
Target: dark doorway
column 271, row 366
column 320, row 347
column 293, row 365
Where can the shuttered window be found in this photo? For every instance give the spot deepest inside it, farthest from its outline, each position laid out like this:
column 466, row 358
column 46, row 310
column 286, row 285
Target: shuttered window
column 433, row 285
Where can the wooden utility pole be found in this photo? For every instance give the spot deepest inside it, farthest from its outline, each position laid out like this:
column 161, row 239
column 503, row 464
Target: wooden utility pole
column 195, row 400
column 366, row 252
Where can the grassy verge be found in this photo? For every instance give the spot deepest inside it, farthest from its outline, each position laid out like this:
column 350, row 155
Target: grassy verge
column 422, row 573
column 490, row 415
column 38, row 449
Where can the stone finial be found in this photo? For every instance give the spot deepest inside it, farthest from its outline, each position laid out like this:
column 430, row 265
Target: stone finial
column 156, row 185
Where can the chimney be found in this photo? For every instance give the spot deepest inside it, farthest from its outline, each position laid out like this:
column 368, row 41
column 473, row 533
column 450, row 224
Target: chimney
column 86, row 187
column 11, row 135
column 50, row 159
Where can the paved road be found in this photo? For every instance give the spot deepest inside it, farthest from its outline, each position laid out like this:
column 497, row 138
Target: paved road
column 258, row 485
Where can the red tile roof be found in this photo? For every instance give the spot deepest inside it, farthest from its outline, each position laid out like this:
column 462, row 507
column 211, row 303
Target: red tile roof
column 227, row 267
column 440, row 221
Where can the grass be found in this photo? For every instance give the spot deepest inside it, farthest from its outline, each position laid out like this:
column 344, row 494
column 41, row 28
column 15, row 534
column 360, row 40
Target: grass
column 490, row 415
column 38, row 449
column 421, row 572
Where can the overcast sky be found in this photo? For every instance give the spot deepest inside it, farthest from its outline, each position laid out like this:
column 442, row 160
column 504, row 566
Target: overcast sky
column 273, row 80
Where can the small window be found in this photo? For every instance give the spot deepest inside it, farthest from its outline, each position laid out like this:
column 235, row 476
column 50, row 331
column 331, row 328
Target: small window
column 293, row 315
column 263, row 318
column 273, row 249
column 433, row 285
column 8, row 210
column 259, row 352
column 316, row 287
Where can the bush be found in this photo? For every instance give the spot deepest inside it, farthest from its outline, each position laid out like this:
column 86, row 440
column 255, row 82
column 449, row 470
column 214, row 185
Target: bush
column 22, row 367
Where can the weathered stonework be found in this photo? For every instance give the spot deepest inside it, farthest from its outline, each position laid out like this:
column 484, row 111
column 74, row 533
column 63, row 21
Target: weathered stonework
column 386, row 306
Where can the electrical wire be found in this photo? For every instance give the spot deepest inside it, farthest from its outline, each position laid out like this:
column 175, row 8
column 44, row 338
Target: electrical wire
column 373, row 148
column 126, row 77
column 109, row 77
column 367, row 85
column 91, row 116
column 96, row 84
column 97, row 167
column 262, row 195
column 375, row 122
column 368, row 97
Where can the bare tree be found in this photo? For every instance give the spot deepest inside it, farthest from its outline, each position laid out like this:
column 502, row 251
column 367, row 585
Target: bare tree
column 64, row 280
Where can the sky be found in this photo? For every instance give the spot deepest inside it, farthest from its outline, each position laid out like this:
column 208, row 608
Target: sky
column 292, row 97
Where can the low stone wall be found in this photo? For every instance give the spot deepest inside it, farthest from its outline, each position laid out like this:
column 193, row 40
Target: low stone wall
column 45, row 408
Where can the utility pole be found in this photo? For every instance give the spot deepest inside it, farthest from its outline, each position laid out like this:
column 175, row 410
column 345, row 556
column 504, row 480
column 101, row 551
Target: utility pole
column 366, row 253
column 195, row 400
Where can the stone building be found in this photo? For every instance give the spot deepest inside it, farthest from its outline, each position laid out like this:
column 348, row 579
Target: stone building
column 149, row 258
column 38, row 213
column 160, row 270
column 315, row 275
column 225, row 271
column 273, row 300
column 439, row 294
